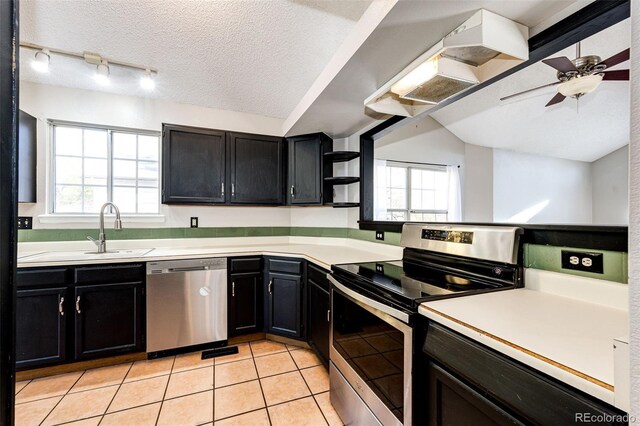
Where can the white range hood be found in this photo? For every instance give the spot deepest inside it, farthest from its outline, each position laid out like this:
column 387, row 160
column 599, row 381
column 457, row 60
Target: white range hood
column 484, row 46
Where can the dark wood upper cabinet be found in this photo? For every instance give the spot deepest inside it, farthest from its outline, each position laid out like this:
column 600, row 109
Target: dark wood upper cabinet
column 27, row 153
column 306, row 169
column 194, row 168
column 255, row 169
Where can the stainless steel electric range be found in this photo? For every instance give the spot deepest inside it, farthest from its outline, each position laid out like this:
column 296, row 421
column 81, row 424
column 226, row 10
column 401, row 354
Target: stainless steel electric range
column 374, row 306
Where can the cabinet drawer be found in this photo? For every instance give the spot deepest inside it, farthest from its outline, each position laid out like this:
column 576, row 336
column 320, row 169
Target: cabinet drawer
column 289, row 266
column 527, row 394
column 109, row 274
column 247, row 264
column 41, row 277
column 318, row 276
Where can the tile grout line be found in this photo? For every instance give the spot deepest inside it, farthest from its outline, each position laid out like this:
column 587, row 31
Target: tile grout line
column 14, row 388
column 264, row 399
column 116, row 393
column 165, row 391
column 65, row 394
column 312, row 394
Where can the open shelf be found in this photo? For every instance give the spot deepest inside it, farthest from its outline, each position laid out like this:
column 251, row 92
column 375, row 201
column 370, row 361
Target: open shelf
column 343, row 205
column 341, row 180
column 341, row 156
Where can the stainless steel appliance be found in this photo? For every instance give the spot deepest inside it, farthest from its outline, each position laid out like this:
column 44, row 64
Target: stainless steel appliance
column 374, row 305
column 186, row 303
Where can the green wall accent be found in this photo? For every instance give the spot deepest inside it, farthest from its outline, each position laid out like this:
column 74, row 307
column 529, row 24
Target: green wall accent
column 549, row 258
column 43, row 235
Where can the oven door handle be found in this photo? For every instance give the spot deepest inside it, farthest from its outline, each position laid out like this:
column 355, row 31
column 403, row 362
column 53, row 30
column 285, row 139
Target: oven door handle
column 402, row 316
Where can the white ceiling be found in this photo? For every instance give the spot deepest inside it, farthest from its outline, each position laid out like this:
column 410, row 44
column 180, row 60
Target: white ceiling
column 407, row 31
column 586, row 130
column 250, row 56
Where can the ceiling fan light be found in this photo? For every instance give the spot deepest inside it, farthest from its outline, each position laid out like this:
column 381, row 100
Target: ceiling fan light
column 41, row 61
column 580, row 85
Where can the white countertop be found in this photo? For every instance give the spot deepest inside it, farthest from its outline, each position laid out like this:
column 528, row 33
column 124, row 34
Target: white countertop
column 322, row 251
column 568, row 339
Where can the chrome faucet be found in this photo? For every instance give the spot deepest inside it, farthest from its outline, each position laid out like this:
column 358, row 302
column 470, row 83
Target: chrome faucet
column 101, row 242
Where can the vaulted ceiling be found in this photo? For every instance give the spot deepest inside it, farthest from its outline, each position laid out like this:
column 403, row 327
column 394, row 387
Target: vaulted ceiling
column 242, row 55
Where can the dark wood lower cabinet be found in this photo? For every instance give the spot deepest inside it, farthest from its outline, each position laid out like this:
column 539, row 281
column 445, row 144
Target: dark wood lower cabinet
column 244, row 296
column 284, row 293
column 108, row 319
column 41, row 326
column 452, row 403
column 319, row 309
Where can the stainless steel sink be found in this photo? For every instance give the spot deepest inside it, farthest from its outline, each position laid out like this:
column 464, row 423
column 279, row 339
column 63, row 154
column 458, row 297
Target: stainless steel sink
column 81, row 255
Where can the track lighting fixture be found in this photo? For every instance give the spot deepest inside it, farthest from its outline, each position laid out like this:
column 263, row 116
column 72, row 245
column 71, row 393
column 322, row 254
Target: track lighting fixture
column 43, row 57
column 41, row 61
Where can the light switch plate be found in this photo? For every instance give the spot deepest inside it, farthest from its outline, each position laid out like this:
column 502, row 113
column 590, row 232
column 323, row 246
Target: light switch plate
column 194, row 222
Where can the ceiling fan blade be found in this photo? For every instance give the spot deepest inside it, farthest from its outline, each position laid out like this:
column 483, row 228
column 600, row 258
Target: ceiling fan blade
column 530, row 90
column 561, row 63
column 616, row 59
column 616, row 75
column 559, row 97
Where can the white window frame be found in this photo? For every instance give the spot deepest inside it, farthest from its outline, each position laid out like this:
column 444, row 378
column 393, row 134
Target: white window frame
column 422, row 166
column 64, row 217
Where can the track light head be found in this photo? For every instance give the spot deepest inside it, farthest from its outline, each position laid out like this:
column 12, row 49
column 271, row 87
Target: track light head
column 41, row 61
column 102, row 73
column 146, row 81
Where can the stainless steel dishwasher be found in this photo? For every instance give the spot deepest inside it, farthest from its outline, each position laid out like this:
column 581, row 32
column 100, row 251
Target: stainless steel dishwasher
column 186, row 303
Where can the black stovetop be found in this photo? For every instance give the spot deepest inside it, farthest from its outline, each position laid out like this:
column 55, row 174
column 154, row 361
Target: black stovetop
column 406, row 284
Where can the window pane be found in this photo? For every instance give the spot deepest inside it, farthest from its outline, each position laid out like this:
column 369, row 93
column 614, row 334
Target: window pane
column 68, row 170
column 416, row 178
column 94, row 198
column 397, row 215
column 416, row 199
column 148, row 148
column 398, row 177
column 398, row 199
column 428, row 200
column 124, row 145
column 95, row 143
column 68, row 140
column 95, row 172
column 440, row 200
column 148, row 200
column 428, row 179
column 441, row 183
column 125, row 199
column 147, row 173
column 124, row 172
column 68, row 199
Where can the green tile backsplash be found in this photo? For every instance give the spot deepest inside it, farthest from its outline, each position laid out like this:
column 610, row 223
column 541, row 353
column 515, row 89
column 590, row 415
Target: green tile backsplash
column 548, row 258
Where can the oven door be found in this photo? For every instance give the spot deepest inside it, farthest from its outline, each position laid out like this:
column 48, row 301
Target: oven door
column 371, row 347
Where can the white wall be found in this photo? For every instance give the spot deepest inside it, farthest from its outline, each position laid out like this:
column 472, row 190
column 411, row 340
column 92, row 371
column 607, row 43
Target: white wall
column 59, row 103
column 610, row 180
column 536, row 189
column 634, row 213
column 477, row 201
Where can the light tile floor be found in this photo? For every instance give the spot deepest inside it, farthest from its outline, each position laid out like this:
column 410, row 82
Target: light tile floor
column 266, row 383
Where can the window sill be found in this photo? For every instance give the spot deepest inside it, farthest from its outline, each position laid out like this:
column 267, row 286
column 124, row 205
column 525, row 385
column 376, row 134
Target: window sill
column 94, row 218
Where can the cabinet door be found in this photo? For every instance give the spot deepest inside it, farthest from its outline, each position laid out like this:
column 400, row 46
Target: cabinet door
column 284, row 304
column 193, row 169
column 319, row 320
column 452, row 402
column 245, row 303
column 108, row 319
column 305, row 170
column 255, row 167
column 40, row 326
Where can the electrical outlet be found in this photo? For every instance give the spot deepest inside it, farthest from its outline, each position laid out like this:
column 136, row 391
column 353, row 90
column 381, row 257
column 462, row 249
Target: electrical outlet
column 380, row 235
column 25, row 222
column 583, row 261
column 194, row 222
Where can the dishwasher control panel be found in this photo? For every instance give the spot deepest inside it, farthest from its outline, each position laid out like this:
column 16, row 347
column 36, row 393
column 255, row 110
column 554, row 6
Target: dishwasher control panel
column 186, row 265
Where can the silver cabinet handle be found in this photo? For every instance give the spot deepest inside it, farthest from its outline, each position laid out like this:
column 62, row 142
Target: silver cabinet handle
column 293, row 191
column 233, row 289
column 328, row 315
column 78, row 304
column 233, row 190
column 222, row 188
column 270, row 286
column 61, row 306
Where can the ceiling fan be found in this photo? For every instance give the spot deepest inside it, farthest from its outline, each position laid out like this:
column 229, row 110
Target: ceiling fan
column 582, row 75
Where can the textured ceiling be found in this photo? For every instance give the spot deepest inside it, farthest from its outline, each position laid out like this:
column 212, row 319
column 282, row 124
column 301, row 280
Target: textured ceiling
column 407, row 31
column 242, row 55
column 585, row 130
